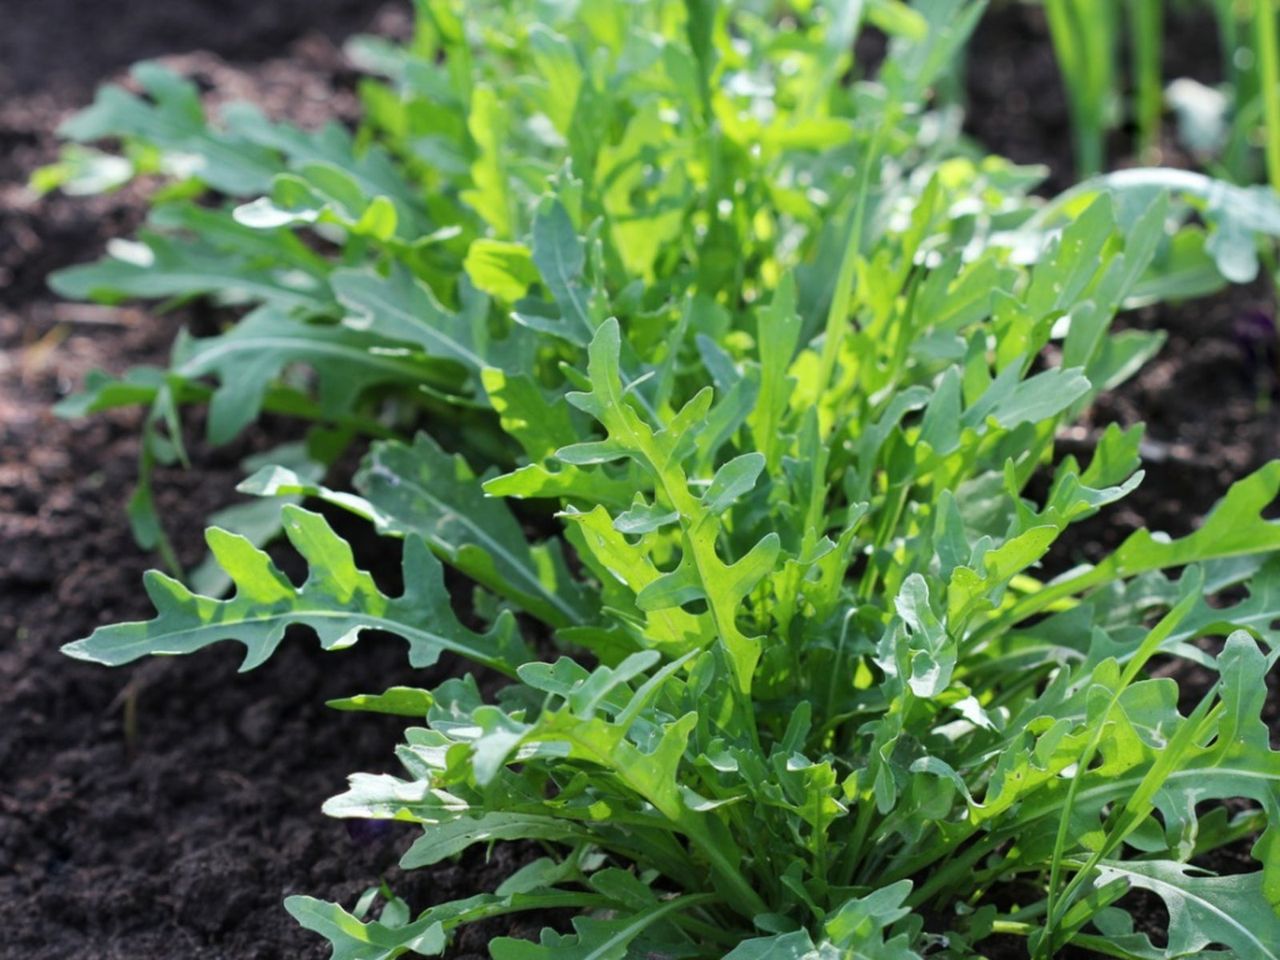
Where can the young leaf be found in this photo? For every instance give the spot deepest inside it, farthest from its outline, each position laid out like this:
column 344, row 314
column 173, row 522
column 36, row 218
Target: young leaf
column 338, row 601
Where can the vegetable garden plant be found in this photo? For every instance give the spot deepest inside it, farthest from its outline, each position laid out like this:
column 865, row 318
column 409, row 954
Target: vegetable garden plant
column 729, row 376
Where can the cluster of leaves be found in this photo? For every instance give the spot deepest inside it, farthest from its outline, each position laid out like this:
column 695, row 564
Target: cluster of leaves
column 378, row 275
column 738, row 378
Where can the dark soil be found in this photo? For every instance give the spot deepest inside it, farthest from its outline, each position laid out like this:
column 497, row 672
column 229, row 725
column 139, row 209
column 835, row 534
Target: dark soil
column 69, row 45
column 180, row 839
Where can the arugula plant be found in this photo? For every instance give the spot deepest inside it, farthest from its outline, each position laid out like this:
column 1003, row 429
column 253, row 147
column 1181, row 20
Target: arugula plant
column 1225, row 233
column 753, row 396
column 315, row 238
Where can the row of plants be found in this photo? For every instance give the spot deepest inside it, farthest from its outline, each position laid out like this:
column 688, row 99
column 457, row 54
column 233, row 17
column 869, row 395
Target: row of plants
column 1110, row 56
column 728, row 375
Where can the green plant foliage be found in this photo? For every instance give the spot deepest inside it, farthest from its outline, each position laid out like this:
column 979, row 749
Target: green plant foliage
column 1198, row 261
column 338, row 601
column 444, row 252
column 1085, row 37
column 739, row 382
column 1231, row 129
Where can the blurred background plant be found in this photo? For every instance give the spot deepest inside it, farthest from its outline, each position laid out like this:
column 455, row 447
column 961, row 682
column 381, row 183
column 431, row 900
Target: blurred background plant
column 1110, row 55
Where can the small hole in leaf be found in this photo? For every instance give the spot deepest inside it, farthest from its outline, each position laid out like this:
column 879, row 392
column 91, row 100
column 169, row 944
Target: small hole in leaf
column 668, row 563
column 1150, row 915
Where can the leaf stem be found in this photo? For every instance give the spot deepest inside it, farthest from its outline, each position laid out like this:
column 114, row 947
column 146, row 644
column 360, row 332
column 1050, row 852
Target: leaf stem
column 1090, row 942
column 1152, row 642
column 842, row 297
column 1269, row 80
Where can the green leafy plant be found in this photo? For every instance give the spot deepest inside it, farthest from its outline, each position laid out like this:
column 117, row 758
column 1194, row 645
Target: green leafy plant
column 752, row 448
column 1227, row 232
column 439, row 189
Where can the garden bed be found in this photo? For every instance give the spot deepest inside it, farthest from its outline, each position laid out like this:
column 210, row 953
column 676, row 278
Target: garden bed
column 174, row 828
